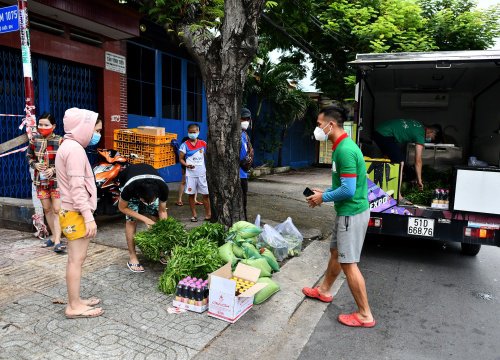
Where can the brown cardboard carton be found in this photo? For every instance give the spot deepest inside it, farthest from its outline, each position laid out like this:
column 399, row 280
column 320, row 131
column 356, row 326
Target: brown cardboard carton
column 223, row 303
column 151, row 130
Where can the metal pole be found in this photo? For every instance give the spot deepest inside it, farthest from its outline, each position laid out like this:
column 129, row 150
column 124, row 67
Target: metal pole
column 29, row 92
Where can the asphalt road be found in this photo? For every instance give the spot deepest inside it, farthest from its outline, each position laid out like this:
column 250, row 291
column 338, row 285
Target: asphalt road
column 430, row 302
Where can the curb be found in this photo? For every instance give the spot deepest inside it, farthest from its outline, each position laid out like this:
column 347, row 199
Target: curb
column 259, row 332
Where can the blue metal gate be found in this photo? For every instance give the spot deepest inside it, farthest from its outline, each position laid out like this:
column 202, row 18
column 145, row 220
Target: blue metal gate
column 58, row 86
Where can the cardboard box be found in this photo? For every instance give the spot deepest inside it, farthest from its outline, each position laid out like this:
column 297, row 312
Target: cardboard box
column 222, row 302
column 183, row 305
column 151, row 130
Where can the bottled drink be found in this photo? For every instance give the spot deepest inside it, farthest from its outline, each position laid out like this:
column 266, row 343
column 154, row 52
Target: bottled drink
column 199, row 296
column 185, row 293
column 192, row 295
column 179, row 291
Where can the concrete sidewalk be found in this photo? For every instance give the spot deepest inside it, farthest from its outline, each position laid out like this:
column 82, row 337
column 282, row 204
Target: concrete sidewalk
column 136, row 324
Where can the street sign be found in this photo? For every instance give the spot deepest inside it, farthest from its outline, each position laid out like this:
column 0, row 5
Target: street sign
column 115, row 62
column 9, row 19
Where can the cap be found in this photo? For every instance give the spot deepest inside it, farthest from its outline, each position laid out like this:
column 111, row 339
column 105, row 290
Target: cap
column 245, row 113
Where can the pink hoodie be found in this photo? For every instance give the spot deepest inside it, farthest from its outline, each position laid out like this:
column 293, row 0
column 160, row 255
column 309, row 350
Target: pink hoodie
column 74, row 174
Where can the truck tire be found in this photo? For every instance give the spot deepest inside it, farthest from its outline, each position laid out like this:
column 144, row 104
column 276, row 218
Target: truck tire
column 470, row 249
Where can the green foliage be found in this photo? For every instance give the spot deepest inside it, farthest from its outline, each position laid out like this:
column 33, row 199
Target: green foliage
column 459, row 25
column 157, row 242
column 336, row 30
column 215, row 233
column 200, row 14
column 197, row 260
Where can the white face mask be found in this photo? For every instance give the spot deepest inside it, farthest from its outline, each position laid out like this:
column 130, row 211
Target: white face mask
column 320, row 135
column 245, row 124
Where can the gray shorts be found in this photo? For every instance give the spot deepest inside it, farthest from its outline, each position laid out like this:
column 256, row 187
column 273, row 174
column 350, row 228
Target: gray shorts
column 349, row 235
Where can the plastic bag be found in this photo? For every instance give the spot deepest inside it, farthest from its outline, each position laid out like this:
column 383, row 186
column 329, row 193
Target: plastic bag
column 272, row 238
column 271, row 288
column 292, row 236
column 257, row 220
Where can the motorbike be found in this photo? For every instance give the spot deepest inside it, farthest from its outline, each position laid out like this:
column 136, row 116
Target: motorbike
column 106, row 174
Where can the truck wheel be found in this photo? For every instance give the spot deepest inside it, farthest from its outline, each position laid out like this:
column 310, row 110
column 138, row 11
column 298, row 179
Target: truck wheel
column 470, row 249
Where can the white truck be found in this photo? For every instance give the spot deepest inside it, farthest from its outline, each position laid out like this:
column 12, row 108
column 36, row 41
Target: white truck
column 460, row 90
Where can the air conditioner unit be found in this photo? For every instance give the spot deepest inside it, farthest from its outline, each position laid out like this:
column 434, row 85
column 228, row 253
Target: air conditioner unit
column 424, row 100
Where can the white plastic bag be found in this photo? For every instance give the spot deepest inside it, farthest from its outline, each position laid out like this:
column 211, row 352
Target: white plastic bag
column 257, row 220
column 278, row 244
column 292, row 236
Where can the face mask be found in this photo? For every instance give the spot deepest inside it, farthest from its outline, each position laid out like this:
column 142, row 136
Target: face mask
column 94, row 140
column 193, row 136
column 320, row 135
column 428, row 140
column 245, row 124
column 45, row 132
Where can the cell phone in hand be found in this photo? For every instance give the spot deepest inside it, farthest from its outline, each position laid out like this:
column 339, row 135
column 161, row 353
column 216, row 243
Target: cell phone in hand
column 308, row 192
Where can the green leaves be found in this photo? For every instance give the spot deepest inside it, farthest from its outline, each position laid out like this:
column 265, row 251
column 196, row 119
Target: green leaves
column 215, row 233
column 197, row 260
column 157, row 242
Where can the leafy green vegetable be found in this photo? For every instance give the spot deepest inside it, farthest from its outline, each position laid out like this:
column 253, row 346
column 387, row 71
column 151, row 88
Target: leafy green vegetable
column 157, row 242
column 433, row 179
column 198, row 260
column 215, row 233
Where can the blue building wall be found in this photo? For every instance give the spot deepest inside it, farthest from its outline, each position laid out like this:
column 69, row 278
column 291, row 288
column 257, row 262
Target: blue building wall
column 177, row 126
column 299, row 146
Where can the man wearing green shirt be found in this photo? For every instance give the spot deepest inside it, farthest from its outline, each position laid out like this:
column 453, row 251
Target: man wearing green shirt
column 350, row 194
column 392, row 135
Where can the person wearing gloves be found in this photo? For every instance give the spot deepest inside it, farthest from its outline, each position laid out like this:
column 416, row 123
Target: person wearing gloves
column 246, row 155
column 41, row 156
column 350, row 194
column 78, row 202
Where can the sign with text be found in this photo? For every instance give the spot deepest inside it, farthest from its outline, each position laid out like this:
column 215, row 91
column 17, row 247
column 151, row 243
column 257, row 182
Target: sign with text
column 9, row 19
column 115, row 62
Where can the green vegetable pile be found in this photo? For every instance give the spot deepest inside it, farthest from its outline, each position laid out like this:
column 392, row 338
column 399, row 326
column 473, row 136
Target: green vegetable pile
column 241, row 246
column 215, row 233
column 197, row 259
column 433, row 179
column 157, row 242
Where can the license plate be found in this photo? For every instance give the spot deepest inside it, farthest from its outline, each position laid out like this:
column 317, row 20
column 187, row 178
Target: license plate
column 420, row 227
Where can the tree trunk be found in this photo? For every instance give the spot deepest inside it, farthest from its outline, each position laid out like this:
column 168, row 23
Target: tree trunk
column 224, row 61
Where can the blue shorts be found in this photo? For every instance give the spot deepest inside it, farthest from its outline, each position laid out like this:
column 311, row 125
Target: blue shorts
column 143, row 209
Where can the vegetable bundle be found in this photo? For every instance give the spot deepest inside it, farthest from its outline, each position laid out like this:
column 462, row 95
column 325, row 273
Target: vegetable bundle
column 197, row 259
column 158, row 241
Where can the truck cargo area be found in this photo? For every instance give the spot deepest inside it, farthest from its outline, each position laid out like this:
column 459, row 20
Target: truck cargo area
column 460, row 91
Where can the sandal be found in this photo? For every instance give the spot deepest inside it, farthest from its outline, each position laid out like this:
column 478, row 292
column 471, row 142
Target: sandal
column 86, row 314
column 194, row 219
column 59, row 248
column 131, row 266
column 179, row 203
column 198, row 203
column 315, row 294
column 48, row 243
column 353, row 320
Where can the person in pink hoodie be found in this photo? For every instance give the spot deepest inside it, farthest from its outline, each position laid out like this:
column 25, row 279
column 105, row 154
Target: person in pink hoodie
column 78, row 202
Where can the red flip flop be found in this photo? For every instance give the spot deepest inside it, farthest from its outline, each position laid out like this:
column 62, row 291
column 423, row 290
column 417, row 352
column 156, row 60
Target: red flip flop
column 314, row 293
column 354, row 321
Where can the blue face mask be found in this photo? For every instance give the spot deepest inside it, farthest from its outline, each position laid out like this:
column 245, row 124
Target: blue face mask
column 193, row 136
column 94, row 140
